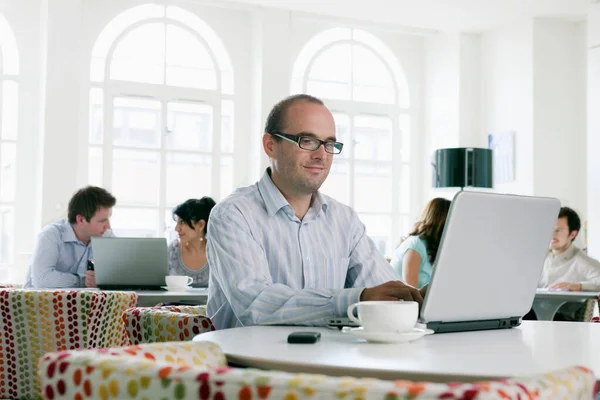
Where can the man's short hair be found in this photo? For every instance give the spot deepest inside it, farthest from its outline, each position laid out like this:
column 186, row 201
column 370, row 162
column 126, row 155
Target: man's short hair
column 87, row 201
column 573, row 220
column 277, row 119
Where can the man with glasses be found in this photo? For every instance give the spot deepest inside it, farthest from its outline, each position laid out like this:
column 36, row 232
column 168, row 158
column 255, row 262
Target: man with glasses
column 281, row 252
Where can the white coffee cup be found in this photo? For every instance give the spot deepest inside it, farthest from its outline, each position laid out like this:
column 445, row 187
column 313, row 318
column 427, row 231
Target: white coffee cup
column 178, row 281
column 385, row 316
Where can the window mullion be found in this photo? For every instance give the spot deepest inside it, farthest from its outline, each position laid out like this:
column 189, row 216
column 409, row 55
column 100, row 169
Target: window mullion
column 107, row 139
column 162, row 185
column 396, row 175
column 216, row 151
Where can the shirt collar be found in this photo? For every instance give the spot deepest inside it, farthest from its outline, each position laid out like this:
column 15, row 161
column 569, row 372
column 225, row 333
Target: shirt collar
column 274, row 200
column 566, row 255
column 68, row 234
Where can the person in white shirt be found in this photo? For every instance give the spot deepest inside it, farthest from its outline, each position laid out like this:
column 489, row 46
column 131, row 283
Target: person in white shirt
column 567, row 267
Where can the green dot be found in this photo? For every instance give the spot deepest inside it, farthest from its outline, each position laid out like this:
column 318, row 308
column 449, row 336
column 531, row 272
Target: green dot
column 179, row 391
column 165, row 382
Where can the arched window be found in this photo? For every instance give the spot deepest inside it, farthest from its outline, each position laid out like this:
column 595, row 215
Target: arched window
column 9, row 116
column 161, row 115
column 364, row 85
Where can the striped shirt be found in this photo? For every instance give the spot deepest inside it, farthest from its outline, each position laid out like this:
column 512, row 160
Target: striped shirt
column 269, row 267
column 59, row 259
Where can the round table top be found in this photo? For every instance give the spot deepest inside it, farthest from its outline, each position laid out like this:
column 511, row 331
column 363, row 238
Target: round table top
column 534, row 347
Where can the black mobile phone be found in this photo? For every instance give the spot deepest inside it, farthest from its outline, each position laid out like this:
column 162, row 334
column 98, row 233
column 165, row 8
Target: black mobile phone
column 304, row 337
column 90, row 265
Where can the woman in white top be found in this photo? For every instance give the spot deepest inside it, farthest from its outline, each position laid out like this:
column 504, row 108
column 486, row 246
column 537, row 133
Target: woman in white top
column 187, row 255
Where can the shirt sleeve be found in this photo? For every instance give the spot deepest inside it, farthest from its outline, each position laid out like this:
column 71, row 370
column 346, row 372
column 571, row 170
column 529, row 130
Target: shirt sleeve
column 592, row 281
column 367, row 266
column 411, row 243
column 239, row 265
column 44, row 260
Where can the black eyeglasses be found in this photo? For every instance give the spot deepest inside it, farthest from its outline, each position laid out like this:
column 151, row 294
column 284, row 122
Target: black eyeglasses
column 311, row 143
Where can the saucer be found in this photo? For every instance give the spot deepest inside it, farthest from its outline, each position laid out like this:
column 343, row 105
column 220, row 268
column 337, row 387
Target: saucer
column 389, row 337
column 176, row 289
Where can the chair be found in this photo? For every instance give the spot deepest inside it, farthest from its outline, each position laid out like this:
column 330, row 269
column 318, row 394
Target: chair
column 596, row 318
column 186, row 370
column 35, row 322
column 585, row 314
column 166, row 324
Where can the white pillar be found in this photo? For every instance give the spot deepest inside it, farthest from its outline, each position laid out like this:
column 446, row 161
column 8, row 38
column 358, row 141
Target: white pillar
column 593, row 131
column 559, row 132
column 277, row 64
column 469, row 124
column 24, row 18
column 65, row 73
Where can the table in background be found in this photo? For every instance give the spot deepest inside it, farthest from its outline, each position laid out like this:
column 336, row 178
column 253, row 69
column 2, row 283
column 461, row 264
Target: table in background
column 149, row 298
column 534, row 347
column 547, row 302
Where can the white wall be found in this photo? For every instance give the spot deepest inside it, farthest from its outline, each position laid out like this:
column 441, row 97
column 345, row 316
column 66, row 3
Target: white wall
column 507, row 96
column 559, row 112
column 470, row 92
column 452, row 100
column 593, row 130
column 441, row 105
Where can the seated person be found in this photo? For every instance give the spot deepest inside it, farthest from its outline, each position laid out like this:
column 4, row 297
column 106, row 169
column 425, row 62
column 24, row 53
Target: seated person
column 566, row 266
column 187, row 255
column 281, row 252
column 62, row 251
column 413, row 259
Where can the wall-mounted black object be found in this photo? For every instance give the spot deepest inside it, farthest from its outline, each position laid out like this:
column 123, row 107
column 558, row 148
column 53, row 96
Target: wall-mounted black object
column 462, row 167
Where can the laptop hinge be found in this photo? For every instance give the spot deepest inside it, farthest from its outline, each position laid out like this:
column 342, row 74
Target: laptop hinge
column 461, row 326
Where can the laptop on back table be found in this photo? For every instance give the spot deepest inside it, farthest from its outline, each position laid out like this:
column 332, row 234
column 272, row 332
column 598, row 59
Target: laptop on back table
column 130, row 263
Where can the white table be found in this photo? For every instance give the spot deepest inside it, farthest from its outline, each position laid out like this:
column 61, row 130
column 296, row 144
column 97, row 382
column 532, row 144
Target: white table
column 149, row 298
column 547, row 303
column 534, row 347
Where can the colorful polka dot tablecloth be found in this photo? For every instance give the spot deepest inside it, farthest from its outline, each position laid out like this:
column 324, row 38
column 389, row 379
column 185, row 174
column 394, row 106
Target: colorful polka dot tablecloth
column 197, row 370
column 166, row 324
column 35, row 322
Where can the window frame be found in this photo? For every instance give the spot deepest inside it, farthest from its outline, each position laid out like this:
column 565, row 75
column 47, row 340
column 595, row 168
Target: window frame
column 8, row 39
column 352, row 108
column 164, row 94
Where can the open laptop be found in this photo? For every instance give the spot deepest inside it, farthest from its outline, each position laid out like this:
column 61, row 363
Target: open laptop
column 489, row 261
column 130, row 263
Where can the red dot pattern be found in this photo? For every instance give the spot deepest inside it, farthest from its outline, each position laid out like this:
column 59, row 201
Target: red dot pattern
column 166, row 324
column 169, row 370
column 36, row 322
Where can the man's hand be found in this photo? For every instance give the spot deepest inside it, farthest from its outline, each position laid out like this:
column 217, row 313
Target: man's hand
column 575, row 287
column 90, row 279
column 392, row 290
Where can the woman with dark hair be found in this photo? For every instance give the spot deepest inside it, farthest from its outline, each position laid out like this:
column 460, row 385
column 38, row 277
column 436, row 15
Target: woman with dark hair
column 187, row 255
column 414, row 257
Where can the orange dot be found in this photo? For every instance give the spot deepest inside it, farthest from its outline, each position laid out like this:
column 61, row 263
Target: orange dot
column 77, row 377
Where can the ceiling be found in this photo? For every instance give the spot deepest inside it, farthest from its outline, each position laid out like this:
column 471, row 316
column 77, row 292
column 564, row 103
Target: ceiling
column 445, row 15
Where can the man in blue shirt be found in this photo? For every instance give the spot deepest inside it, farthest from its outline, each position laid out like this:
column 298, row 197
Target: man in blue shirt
column 281, row 252
column 63, row 248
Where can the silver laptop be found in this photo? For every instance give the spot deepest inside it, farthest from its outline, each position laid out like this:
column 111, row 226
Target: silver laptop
column 489, row 262
column 130, row 263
